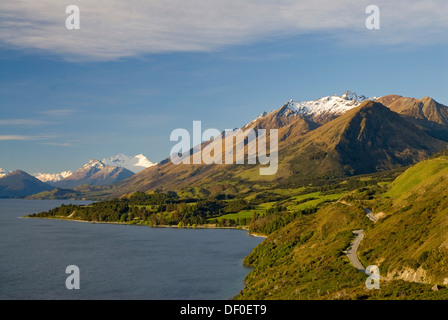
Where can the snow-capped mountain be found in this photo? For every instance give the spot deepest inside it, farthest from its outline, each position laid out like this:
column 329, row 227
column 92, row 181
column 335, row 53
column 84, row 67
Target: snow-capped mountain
column 328, row 106
column 52, row 177
column 94, row 172
column 3, row 172
column 93, row 164
column 135, row 164
column 107, row 166
column 311, row 114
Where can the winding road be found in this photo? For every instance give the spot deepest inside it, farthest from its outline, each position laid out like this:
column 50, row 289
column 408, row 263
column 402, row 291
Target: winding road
column 352, row 251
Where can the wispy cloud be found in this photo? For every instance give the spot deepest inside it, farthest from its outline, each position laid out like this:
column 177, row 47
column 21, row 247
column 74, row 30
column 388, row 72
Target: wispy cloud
column 22, row 122
column 112, row 29
column 58, row 144
column 58, row 112
column 25, row 137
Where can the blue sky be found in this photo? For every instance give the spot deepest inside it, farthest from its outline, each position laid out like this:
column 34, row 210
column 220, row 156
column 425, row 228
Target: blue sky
column 67, row 97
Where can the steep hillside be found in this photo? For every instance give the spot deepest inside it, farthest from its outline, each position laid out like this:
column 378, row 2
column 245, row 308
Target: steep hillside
column 366, row 139
column 305, row 259
column 410, row 241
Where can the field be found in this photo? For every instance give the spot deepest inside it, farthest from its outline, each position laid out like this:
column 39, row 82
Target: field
column 294, row 203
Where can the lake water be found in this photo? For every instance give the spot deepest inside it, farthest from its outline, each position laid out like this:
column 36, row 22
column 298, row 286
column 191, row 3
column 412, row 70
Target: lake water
column 116, row 261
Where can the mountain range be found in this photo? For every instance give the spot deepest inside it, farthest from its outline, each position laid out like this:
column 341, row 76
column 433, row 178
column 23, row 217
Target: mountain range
column 135, row 164
column 93, row 173
column 52, row 177
column 332, row 137
column 328, row 138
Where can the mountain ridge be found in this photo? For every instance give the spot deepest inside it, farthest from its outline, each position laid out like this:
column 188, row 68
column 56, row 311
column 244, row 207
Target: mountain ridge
column 18, row 184
column 94, row 172
column 426, row 113
column 362, row 140
column 52, row 177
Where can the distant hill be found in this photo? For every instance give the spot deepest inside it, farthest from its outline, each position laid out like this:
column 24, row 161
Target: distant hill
column 82, row 192
column 20, row 184
column 55, row 193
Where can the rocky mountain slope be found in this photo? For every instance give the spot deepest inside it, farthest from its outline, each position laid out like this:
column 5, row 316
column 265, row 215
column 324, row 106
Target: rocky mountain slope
column 426, row 113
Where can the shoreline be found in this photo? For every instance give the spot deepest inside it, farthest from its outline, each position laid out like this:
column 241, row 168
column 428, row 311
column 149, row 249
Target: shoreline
column 205, row 226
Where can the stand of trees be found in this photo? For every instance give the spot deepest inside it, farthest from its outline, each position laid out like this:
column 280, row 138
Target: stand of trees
column 159, row 209
column 151, row 209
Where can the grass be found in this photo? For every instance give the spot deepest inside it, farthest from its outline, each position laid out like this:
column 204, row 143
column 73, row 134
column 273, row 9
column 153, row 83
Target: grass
column 417, row 174
column 241, row 214
column 312, row 200
column 411, row 237
column 259, row 209
column 304, row 260
column 306, row 201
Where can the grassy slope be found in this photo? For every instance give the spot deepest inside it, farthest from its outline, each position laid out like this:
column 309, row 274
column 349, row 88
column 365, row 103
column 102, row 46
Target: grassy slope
column 417, row 174
column 414, row 232
column 305, row 259
column 294, row 203
column 413, row 236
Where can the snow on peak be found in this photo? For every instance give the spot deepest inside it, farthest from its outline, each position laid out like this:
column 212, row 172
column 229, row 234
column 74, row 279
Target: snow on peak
column 334, row 105
column 350, row 95
column 3, row 172
column 143, row 161
column 52, row 177
column 94, row 163
column 135, row 164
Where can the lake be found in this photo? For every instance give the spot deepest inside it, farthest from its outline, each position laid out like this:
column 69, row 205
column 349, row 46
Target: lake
column 116, row 261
